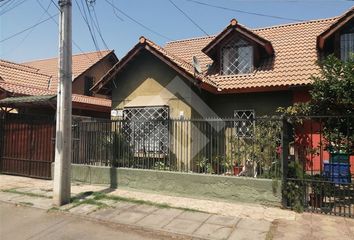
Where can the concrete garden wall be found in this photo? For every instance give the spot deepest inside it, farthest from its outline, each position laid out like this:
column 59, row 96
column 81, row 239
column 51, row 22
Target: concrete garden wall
column 240, row 189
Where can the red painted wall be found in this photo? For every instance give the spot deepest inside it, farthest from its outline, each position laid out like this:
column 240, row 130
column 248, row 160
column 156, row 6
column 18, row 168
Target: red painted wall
column 310, row 145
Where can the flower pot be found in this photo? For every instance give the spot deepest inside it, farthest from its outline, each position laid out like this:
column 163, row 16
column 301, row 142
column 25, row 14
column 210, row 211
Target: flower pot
column 237, row 170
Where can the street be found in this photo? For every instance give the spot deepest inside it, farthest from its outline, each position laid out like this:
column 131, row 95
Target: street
column 19, row 223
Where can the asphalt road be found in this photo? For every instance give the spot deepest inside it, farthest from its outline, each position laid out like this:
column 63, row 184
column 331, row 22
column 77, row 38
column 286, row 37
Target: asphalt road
column 20, row 223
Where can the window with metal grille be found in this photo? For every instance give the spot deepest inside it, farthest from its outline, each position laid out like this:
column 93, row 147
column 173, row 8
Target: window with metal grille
column 147, row 129
column 236, row 57
column 244, row 123
column 346, row 46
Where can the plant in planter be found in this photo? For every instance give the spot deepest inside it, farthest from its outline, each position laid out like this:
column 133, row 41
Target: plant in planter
column 294, row 193
column 258, row 151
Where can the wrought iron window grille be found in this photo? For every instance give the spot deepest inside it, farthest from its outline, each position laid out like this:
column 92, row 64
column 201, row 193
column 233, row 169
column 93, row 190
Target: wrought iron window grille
column 244, row 123
column 147, row 129
column 236, row 57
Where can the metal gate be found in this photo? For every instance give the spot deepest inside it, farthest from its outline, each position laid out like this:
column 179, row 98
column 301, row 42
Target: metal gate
column 320, row 174
column 27, row 145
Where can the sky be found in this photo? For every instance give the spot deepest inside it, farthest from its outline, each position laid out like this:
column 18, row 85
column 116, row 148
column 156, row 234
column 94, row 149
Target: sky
column 121, row 28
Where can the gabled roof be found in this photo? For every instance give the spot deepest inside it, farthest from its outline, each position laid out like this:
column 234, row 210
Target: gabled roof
column 184, row 68
column 28, row 83
column 80, row 64
column 340, row 22
column 292, row 57
column 293, row 63
column 233, row 27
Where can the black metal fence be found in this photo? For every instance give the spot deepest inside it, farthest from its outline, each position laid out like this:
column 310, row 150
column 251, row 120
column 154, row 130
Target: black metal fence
column 214, row 146
column 320, row 167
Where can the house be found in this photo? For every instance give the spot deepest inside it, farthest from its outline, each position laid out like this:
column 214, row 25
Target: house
column 240, row 72
column 27, row 143
column 31, row 87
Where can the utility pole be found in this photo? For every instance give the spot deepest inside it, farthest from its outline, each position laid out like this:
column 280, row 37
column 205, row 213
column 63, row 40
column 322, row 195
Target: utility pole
column 62, row 168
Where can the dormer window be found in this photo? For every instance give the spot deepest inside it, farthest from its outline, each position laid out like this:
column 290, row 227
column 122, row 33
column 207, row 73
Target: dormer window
column 347, row 44
column 236, row 57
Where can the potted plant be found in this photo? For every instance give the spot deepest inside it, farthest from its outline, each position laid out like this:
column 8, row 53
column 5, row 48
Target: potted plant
column 237, row 168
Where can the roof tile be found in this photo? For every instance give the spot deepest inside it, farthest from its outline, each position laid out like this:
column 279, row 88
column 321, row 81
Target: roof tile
column 293, row 64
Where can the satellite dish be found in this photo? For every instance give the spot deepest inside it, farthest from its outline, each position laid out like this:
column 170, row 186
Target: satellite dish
column 196, row 65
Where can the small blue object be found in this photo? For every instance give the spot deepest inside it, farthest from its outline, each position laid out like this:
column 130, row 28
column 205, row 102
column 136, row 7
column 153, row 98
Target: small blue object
column 337, row 172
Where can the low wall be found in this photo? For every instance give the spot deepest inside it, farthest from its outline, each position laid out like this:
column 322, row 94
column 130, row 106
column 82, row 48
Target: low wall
column 228, row 188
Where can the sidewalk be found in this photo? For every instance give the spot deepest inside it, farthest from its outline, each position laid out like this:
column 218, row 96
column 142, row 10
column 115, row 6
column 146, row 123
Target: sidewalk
column 181, row 217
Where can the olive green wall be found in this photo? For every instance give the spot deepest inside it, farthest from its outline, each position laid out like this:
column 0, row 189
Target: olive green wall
column 147, row 75
column 240, row 189
column 263, row 103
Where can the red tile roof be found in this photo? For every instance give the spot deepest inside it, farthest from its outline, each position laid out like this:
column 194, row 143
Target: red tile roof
column 92, row 100
column 145, row 44
column 20, row 89
column 24, row 80
column 23, row 75
column 80, row 63
column 293, row 64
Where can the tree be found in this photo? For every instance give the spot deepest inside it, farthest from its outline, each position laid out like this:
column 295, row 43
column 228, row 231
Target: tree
column 333, row 91
column 332, row 95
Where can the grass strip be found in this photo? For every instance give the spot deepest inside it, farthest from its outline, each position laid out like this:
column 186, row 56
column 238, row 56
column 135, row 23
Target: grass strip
column 14, row 190
column 99, row 196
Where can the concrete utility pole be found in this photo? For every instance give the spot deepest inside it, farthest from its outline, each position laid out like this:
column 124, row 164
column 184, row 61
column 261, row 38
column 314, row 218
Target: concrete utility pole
column 62, row 173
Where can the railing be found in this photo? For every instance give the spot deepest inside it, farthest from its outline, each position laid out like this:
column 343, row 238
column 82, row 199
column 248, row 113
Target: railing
column 320, row 196
column 321, row 165
column 212, row 146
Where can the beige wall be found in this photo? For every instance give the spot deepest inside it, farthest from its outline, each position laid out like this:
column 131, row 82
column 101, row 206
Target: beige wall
column 147, row 76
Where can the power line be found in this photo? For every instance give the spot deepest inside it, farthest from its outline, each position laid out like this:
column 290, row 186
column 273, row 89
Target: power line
column 95, row 23
column 241, row 11
column 139, row 23
column 30, row 31
column 84, row 16
column 11, row 6
column 189, row 18
column 115, row 12
column 55, row 21
column 29, row 28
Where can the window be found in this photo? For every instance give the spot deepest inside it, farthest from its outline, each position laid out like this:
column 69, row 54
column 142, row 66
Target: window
column 147, row 129
column 346, row 46
column 244, row 123
column 236, row 57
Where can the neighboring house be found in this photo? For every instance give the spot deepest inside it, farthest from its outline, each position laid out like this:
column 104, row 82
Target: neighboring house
column 32, row 87
column 239, row 72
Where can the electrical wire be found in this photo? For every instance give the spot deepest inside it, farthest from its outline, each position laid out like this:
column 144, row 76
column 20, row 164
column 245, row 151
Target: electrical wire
column 138, row 23
column 189, row 18
column 30, row 31
column 55, row 21
column 244, row 12
column 84, row 16
column 28, row 28
column 11, row 6
column 115, row 12
column 95, row 23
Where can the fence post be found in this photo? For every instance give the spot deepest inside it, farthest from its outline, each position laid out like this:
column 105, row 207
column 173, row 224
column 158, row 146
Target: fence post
column 284, row 155
column 2, row 137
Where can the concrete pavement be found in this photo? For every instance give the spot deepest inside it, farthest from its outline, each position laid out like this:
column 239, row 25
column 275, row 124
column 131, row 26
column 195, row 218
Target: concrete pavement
column 18, row 223
column 167, row 216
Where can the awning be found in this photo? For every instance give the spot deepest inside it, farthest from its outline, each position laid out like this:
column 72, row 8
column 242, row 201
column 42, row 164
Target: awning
column 15, row 102
column 147, row 101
